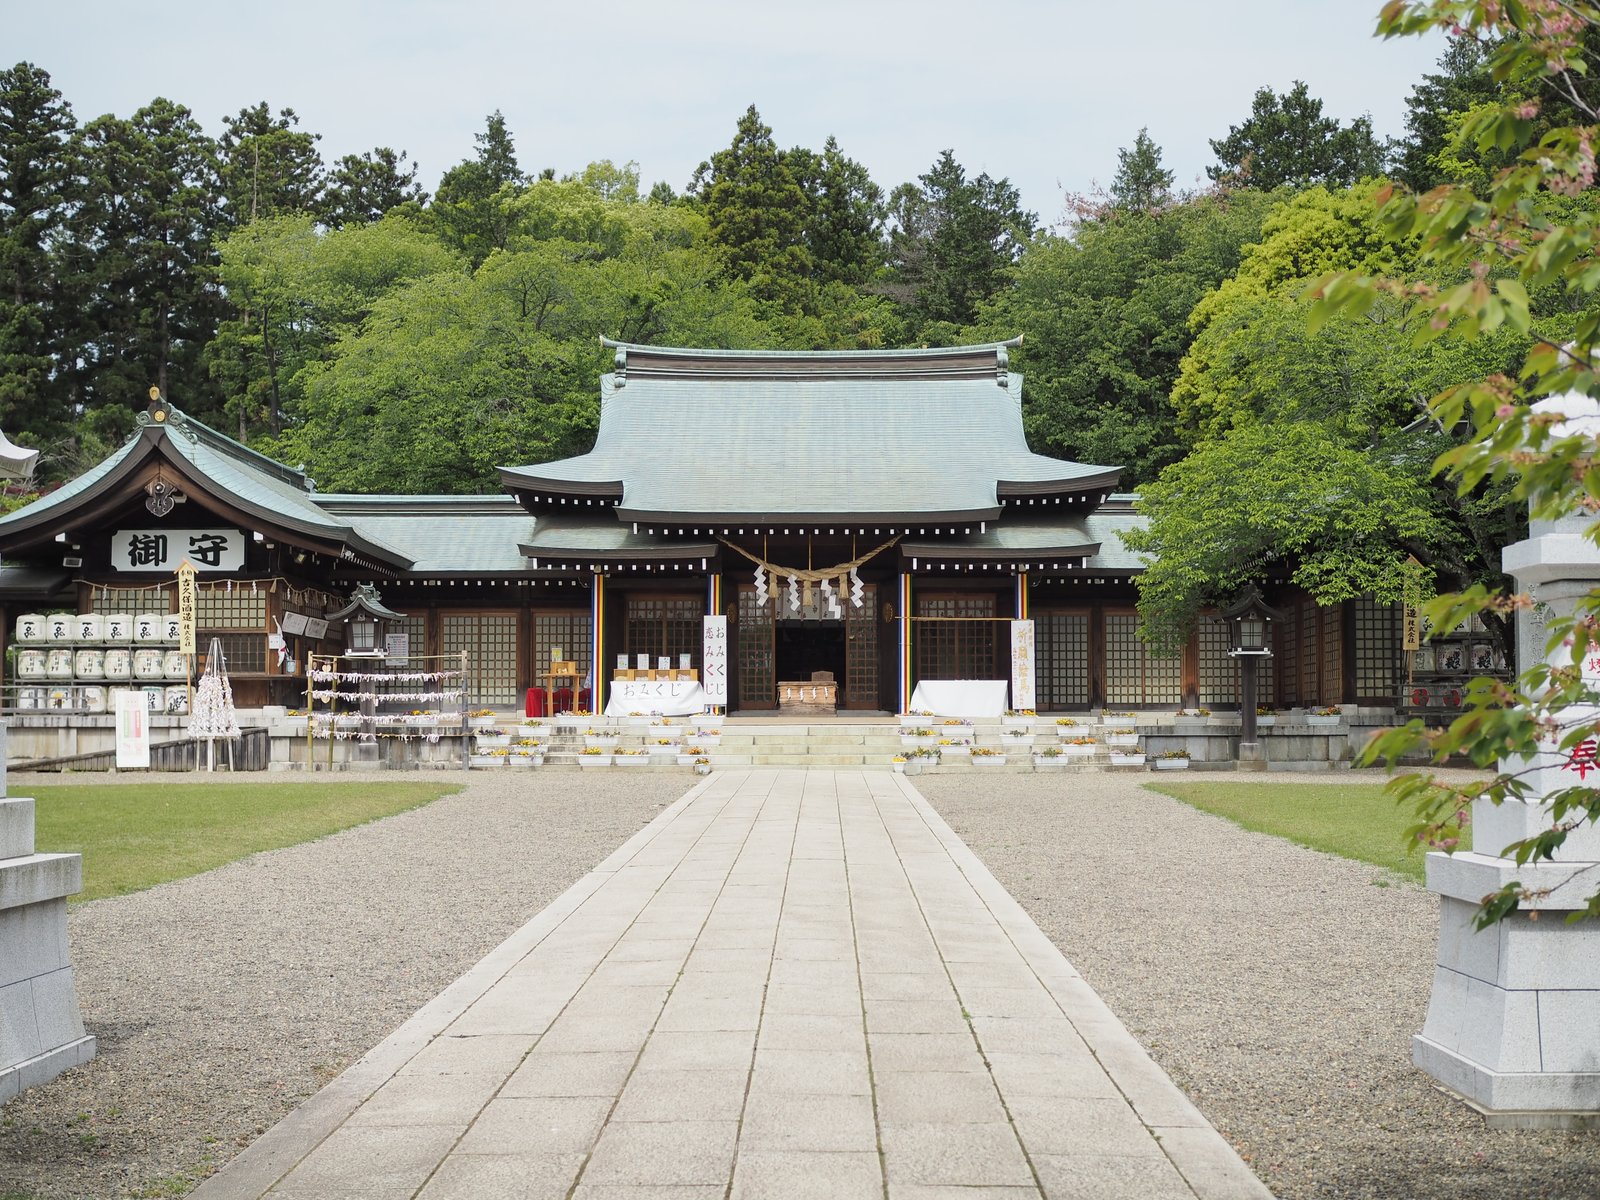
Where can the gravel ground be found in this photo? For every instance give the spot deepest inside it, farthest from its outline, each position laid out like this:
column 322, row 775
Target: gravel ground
column 222, row 1001
column 1278, row 986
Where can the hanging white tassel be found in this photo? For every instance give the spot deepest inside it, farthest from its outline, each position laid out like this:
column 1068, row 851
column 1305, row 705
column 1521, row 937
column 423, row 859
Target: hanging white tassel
column 831, row 599
column 761, row 586
column 794, row 594
column 858, row 590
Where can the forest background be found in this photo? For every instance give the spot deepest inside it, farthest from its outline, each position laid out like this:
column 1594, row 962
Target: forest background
column 336, row 316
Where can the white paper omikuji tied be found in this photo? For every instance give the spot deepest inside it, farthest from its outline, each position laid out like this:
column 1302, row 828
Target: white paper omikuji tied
column 214, row 715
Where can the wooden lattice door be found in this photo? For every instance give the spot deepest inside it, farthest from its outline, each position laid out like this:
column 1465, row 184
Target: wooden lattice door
column 861, row 652
column 758, row 682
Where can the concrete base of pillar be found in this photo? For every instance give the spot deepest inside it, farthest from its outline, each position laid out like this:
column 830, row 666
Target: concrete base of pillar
column 1252, row 757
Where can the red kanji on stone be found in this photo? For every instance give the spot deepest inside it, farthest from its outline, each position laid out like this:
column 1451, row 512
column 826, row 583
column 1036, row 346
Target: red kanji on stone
column 1582, row 758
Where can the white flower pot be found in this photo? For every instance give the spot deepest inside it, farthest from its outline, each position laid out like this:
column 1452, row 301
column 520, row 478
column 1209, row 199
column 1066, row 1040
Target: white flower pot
column 1263, row 722
column 702, row 768
column 1050, row 762
column 955, row 750
column 1018, row 722
column 989, row 760
column 1127, row 760
column 497, row 742
column 1170, row 764
column 899, row 768
column 708, row 737
column 1122, row 739
column 1011, row 740
column 527, row 760
column 1314, row 719
column 707, row 721
column 594, row 760
column 630, row 760
column 486, row 760
column 600, row 741
column 1071, row 751
column 686, row 760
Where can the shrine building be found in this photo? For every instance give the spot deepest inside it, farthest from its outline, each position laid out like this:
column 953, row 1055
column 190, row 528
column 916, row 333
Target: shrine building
column 874, row 517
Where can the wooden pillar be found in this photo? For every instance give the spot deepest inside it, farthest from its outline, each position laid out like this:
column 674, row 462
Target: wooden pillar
column 906, row 684
column 597, row 657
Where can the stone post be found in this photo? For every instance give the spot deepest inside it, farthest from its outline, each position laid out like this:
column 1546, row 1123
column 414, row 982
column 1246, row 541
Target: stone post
column 41, row 1033
column 1514, row 1019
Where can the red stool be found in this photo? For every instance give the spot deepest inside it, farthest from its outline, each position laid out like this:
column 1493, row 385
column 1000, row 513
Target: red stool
column 534, row 707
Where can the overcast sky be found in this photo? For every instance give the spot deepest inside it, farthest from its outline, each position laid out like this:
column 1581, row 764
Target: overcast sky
column 1043, row 93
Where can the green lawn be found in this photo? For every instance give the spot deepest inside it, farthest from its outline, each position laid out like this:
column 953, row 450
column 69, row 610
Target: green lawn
column 1358, row 821
column 133, row 836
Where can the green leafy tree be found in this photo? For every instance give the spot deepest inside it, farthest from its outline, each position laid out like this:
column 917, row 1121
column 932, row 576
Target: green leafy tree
column 36, row 185
column 1497, row 248
column 1433, row 109
column 1286, row 141
column 139, row 264
column 1141, row 181
column 953, row 243
column 844, row 225
column 363, row 187
column 1104, row 318
column 267, row 166
column 473, row 208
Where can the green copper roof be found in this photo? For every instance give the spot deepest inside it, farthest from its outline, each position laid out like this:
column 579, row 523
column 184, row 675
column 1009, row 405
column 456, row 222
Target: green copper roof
column 444, row 535
column 721, row 435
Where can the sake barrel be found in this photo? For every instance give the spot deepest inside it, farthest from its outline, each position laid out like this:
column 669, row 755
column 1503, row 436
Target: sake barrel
column 30, row 627
column 31, row 664
column 58, row 664
column 119, row 664
column 173, row 665
column 155, row 698
column 171, row 628
column 89, row 664
column 60, row 697
column 111, row 697
column 147, row 664
column 149, row 628
column 119, row 627
column 178, row 701
column 60, row 627
column 93, row 698
column 31, row 697
column 91, row 627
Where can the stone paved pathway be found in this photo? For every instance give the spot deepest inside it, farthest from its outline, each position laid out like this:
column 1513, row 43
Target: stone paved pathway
column 791, row 984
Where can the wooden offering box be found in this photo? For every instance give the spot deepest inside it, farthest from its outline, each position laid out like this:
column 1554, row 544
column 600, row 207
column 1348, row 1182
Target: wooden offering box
column 808, row 696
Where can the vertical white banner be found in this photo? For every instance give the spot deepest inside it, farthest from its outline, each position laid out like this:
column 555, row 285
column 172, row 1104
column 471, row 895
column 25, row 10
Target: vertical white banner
column 1022, row 695
column 133, row 729
column 714, row 660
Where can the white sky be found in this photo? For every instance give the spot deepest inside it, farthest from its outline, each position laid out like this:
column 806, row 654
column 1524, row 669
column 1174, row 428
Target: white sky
column 1042, row 92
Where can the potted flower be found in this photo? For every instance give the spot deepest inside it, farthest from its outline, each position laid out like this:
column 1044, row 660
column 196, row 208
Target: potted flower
column 1266, row 714
column 912, row 718
column 1079, row 747
column 898, row 762
column 1015, row 717
column 917, row 737
column 1330, row 715
column 1050, row 756
column 702, row 766
column 988, row 756
column 527, row 753
column 594, row 756
column 1127, row 758
column 955, row 747
column 481, row 718
column 1017, row 735
column 708, row 737
column 486, row 758
column 662, row 747
column 1122, row 737
column 708, row 720
column 639, row 719
column 295, row 722
column 689, row 755
column 1171, row 760
column 603, row 739
column 629, row 758
column 1188, row 718
column 489, row 738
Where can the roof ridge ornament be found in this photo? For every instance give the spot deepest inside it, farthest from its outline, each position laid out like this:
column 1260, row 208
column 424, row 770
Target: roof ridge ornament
column 161, row 413
column 1002, row 366
column 619, row 364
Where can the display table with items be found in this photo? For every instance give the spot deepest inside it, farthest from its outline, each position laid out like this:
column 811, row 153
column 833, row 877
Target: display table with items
column 961, row 697
column 666, row 697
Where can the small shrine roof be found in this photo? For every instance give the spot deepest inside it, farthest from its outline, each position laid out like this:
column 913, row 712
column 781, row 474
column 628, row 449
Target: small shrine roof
column 442, row 535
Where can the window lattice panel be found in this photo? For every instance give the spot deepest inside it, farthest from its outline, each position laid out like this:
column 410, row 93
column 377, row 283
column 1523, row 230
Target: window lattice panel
column 1219, row 673
column 568, row 632
column 219, row 608
column 490, row 642
column 1332, row 654
column 861, row 650
column 1063, row 660
column 1377, row 650
column 667, row 626
column 956, row 649
column 1133, row 675
column 416, row 630
column 758, row 686
column 131, row 600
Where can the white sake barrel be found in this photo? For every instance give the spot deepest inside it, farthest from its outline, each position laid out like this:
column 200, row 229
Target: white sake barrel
column 119, row 664
column 30, row 627
column 149, row 628
column 30, row 664
column 119, row 627
column 93, row 697
column 155, row 698
column 31, row 697
column 58, row 664
column 178, row 701
column 147, row 664
column 59, row 628
column 91, row 627
column 171, row 628
column 60, row 697
column 111, row 697
column 89, row 664
column 173, row 665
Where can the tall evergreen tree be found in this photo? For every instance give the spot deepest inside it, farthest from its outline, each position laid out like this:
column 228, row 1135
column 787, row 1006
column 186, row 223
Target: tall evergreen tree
column 1462, row 81
column 362, row 187
column 758, row 212
column 1141, row 181
column 267, row 166
column 35, row 192
column 472, row 210
column 139, row 263
column 953, row 242
column 1286, row 141
column 844, row 225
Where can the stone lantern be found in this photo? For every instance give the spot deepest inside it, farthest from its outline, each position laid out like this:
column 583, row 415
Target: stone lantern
column 366, row 621
column 1249, row 641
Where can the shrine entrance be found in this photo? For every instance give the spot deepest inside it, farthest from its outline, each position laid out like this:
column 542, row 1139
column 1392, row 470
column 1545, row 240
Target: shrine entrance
column 777, row 644
column 805, row 648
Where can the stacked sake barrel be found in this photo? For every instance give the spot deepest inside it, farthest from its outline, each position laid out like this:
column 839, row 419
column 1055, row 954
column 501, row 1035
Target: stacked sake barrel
column 79, row 661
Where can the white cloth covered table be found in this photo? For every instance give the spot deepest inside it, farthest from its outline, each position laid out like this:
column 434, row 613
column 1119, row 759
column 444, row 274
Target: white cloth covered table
column 668, row 697
column 961, row 697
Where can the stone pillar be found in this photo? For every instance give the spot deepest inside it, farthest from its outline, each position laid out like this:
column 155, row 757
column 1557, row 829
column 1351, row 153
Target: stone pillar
column 41, row 1033
column 1514, row 1019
